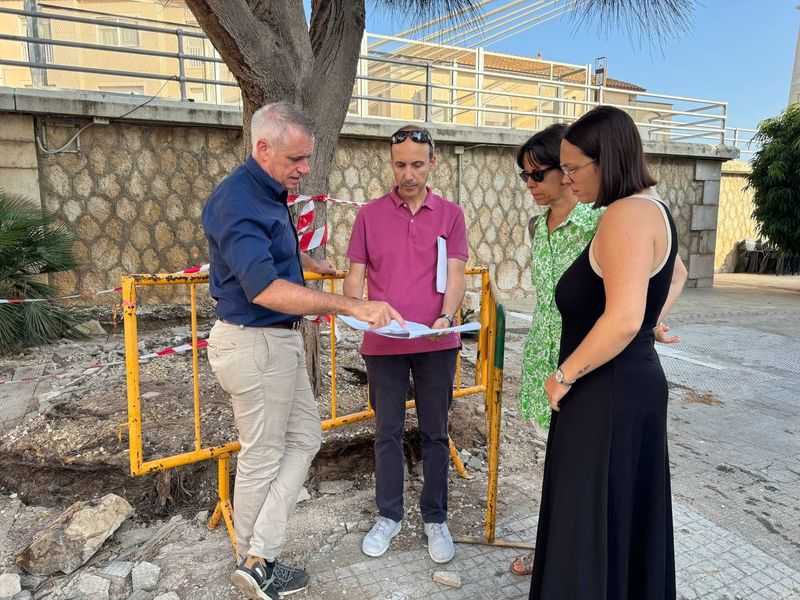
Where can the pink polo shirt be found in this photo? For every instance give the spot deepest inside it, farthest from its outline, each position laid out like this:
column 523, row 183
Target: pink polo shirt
column 399, row 250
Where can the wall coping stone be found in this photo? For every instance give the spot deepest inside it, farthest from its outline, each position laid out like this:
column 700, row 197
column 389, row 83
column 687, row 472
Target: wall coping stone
column 86, row 104
column 737, row 167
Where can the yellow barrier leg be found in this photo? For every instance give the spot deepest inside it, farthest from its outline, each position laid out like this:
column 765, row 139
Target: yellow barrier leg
column 216, row 516
column 224, row 508
column 457, row 462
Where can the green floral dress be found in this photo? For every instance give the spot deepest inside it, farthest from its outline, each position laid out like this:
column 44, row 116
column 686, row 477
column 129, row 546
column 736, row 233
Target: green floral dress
column 551, row 255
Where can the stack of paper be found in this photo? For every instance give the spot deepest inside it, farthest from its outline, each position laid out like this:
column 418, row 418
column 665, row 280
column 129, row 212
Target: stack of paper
column 411, row 329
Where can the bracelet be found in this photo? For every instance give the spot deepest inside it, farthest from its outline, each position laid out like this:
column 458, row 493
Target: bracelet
column 560, row 378
column 448, row 317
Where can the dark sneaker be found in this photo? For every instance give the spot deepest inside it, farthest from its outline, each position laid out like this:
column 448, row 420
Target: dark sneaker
column 255, row 583
column 288, row 580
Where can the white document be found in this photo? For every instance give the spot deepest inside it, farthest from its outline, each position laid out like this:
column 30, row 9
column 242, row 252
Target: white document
column 441, row 265
column 411, row 330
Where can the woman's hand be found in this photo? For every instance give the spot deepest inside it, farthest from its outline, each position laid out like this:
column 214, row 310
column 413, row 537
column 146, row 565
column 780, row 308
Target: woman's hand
column 661, row 332
column 555, row 391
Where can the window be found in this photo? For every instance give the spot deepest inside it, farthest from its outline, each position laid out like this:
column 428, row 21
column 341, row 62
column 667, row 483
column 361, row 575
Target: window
column 118, row 36
column 497, row 119
column 45, row 32
column 197, row 93
column 194, row 47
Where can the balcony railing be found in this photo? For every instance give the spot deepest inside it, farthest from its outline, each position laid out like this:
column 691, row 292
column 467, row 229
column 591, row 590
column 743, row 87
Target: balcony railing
column 396, row 79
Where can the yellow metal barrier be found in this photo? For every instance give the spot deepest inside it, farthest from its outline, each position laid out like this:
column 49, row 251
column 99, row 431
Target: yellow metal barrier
column 484, row 383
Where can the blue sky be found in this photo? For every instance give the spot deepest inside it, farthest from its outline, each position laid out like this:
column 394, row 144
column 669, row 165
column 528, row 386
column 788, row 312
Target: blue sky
column 739, row 51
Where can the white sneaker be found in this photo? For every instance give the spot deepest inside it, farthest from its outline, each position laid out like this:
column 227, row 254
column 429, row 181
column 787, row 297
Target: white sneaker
column 377, row 541
column 440, row 543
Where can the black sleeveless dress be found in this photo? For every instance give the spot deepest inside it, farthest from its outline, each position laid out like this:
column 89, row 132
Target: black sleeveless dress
column 605, row 520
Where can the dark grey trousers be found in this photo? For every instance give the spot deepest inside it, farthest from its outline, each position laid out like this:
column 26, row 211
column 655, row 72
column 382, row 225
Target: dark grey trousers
column 433, row 374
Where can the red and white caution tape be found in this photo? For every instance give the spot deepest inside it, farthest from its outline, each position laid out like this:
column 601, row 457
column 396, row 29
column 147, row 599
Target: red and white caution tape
column 192, row 270
column 305, row 217
column 295, row 198
column 309, row 240
column 96, row 367
column 59, row 298
column 183, row 348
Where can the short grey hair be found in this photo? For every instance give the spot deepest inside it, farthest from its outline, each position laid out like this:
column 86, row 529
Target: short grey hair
column 272, row 120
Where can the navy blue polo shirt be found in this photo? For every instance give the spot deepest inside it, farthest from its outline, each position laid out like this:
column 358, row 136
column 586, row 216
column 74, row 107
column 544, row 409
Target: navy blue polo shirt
column 252, row 242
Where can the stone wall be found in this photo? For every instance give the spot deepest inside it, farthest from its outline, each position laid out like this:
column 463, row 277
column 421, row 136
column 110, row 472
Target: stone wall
column 735, row 222
column 497, row 206
column 133, row 191
column 133, row 195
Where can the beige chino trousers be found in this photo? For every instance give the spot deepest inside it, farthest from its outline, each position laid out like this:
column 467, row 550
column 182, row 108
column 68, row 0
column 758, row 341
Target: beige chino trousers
column 264, row 371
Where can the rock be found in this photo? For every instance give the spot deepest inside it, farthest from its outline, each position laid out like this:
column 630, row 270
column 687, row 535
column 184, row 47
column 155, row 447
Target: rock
column 117, row 573
column 150, row 395
column 333, row 538
column 202, row 517
column 474, row 463
column 91, row 328
column 364, row 526
column 140, row 595
column 118, row 568
column 168, row 596
column 88, row 587
column 10, row 585
column 303, row 496
column 24, row 595
column 74, row 536
column 31, row 582
column 133, row 537
column 145, row 576
column 351, row 526
column 334, row 488
column 448, row 578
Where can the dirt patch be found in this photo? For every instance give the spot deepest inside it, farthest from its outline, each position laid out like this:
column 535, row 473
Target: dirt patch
column 78, row 449
column 691, row 396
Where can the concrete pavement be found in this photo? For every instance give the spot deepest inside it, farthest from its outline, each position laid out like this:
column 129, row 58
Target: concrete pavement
column 735, row 453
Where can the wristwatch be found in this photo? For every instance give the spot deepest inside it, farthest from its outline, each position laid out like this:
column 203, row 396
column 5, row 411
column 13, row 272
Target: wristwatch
column 448, row 317
column 560, row 378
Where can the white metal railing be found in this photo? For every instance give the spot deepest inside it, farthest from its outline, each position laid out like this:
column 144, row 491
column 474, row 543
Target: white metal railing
column 744, row 140
column 396, row 79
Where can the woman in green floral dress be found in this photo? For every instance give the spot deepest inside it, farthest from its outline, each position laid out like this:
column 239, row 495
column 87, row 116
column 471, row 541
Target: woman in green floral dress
column 558, row 236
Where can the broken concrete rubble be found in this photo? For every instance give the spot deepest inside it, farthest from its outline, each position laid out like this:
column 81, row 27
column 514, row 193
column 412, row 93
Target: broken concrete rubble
column 74, row 536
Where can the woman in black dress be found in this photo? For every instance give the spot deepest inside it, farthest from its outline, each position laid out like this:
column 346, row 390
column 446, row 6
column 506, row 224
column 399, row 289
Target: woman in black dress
column 605, row 520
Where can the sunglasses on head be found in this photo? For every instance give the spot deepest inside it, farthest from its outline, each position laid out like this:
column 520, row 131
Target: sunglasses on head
column 537, row 176
column 417, row 135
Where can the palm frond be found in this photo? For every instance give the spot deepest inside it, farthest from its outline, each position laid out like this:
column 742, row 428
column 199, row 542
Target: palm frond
column 32, row 244
column 456, row 11
column 652, row 21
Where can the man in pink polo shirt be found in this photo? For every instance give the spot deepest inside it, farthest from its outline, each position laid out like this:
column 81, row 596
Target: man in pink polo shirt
column 394, row 245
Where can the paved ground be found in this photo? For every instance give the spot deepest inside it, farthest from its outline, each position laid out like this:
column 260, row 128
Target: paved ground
column 735, row 452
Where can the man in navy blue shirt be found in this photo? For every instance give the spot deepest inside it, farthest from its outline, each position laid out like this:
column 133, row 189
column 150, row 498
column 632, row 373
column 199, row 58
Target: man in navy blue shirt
column 255, row 348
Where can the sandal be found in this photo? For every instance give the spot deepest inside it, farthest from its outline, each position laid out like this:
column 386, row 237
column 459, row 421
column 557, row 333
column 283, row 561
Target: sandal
column 523, row 564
